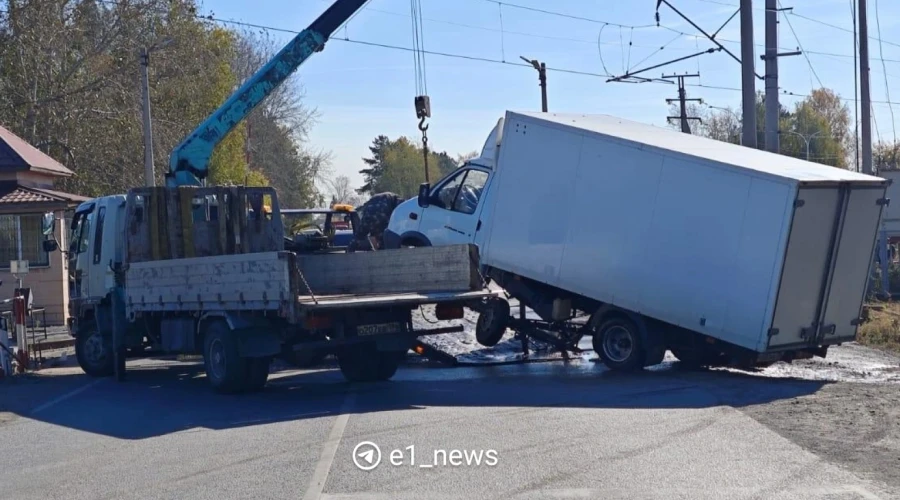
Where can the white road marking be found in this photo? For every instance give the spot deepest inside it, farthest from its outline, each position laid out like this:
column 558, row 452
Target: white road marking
column 65, row 396
column 329, row 449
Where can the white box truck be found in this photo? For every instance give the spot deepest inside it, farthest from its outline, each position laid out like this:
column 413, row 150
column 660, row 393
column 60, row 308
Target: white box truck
column 719, row 253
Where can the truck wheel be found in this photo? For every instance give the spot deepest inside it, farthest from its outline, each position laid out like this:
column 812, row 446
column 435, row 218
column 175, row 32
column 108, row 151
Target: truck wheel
column 368, row 365
column 257, row 374
column 94, row 351
column 226, row 370
column 492, row 321
column 618, row 343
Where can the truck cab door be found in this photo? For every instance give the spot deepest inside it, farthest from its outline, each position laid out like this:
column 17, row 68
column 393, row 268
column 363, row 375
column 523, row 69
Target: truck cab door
column 454, row 206
column 97, row 256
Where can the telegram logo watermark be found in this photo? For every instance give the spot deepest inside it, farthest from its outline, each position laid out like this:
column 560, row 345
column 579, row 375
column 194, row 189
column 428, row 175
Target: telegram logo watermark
column 367, row 456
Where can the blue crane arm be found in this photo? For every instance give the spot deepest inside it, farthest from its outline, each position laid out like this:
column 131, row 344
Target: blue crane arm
column 189, row 162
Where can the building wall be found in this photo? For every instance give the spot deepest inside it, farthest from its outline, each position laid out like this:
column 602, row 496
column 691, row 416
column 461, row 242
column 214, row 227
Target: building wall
column 49, row 285
column 28, row 178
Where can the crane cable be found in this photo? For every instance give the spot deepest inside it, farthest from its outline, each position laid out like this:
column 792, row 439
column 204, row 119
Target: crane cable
column 422, row 101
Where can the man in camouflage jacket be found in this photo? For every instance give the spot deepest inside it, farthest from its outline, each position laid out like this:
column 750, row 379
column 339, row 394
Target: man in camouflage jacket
column 376, row 213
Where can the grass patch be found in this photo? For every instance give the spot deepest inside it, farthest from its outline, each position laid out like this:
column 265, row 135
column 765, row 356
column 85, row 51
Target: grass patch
column 882, row 330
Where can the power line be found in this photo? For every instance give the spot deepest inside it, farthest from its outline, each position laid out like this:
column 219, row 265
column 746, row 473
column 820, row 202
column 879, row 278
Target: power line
column 887, row 89
column 823, row 23
column 408, row 49
column 509, row 32
column 783, row 92
column 346, row 39
column 569, row 16
column 800, row 46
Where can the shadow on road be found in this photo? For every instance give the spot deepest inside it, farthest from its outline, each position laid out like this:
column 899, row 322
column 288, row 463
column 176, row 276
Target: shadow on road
column 176, row 398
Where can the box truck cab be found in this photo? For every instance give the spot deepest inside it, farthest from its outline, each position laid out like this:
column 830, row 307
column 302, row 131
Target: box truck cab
column 449, row 212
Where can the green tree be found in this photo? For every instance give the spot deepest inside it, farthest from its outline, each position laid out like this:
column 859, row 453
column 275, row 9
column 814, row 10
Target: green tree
column 374, row 165
column 277, row 130
column 398, row 166
column 446, row 164
column 68, row 85
column 818, row 124
column 886, row 156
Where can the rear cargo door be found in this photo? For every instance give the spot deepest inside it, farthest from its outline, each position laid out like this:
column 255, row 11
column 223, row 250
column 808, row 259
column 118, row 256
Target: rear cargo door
column 806, row 262
column 854, row 253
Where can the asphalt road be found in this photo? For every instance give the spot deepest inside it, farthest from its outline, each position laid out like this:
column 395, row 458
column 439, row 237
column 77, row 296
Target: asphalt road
column 556, row 430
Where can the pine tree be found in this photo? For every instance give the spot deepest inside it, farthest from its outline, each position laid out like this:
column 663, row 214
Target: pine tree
column 375, row 164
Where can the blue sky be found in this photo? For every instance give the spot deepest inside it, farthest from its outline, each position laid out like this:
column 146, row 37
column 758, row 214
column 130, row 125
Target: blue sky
column 363, row 90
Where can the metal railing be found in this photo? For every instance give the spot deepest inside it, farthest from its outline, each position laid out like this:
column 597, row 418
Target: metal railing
column 33, row 328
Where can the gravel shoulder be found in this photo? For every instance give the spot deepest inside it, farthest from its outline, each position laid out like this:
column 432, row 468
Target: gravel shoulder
column 854, row 425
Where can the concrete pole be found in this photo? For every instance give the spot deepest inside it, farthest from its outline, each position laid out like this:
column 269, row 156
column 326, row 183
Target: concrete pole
column 149, row 175
column 772, row 143
column 748, row 74
column 865, row 96
column 542, row 75
column 682, row 98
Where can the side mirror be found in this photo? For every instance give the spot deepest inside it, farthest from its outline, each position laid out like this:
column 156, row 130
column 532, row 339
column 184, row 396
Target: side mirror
column 50, row 246
column 424, row 192
column 48, row 223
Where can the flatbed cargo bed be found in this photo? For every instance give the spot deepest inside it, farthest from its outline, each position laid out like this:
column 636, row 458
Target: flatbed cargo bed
column 311, row 303
column 292, row 285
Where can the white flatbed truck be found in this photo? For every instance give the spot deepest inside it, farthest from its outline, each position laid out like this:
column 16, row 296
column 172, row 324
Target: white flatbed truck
column 197, row 271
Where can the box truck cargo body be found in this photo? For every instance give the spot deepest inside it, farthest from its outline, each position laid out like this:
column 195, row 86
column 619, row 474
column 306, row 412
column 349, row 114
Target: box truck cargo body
column 764, row 252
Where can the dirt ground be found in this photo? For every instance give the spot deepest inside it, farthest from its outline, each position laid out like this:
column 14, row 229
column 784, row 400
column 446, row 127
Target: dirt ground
column 855, row 425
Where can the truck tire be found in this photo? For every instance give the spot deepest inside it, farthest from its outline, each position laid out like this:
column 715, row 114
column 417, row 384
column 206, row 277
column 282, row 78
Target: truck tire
column 257, row 374
column 618, row 343
column 226, row 370
column 359, row 364
column 94, row 352
column 492, row 321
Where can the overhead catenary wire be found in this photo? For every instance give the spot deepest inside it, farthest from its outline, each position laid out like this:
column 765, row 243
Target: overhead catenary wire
column 887, row 87
column 346, row 39
column 569, row 16
column 800, row 46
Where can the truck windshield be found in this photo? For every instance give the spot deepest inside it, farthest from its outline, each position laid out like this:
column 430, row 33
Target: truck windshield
column 81, row 229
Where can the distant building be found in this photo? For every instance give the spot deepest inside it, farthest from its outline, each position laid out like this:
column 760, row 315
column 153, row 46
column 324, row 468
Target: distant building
column 26, row 193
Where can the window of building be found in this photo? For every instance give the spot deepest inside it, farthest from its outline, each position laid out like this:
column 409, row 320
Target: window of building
column 27, row 247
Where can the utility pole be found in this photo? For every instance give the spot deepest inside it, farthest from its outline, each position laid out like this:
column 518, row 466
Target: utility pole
column 866, row 103
column 771, row 58
column 149, row 176
column 542, row 78
column 748, row 74
column 683, row 100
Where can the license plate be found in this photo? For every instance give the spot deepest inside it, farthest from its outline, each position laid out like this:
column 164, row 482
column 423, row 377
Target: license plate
column 379, row 329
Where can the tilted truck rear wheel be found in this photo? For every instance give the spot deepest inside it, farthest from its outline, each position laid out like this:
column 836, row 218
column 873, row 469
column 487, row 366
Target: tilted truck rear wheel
column 618, row 343
column 226, row 370
column 365, row 364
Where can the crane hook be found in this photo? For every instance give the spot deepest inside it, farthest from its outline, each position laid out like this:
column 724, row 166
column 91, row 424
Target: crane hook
column 422, row 126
